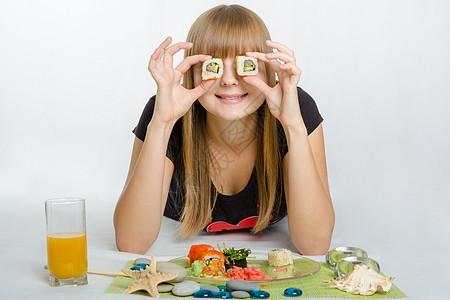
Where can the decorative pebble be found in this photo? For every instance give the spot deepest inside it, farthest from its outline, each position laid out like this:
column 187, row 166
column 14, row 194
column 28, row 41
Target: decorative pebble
column 240, row 294
column 212, row 288
column 164, row 287
column 222, row 288
column 260, row 295
column 203, row 293
column 142, row 260
column 240, row 285
column 167, row 267
column 223, row 295
column 185, row 288
column 139, row 267
column 293, row 292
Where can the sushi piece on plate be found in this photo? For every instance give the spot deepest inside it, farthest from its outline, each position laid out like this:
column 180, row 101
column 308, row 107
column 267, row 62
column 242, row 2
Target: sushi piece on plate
column 246, row 66
column 197, row 251
column 236, row 257
column 213, row 261
column 280, row 257
column 212, row 69
column 213, row 256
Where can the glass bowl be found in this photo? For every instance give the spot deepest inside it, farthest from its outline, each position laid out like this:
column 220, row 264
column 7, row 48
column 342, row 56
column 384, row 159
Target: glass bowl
column 346, row 265
column 335, row 255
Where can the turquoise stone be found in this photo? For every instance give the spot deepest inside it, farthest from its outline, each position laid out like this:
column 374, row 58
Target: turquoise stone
column 223, row 288
column 223, row 295
column 260, row 295
column 293, row 292
column 203, row 294
column 139, row 267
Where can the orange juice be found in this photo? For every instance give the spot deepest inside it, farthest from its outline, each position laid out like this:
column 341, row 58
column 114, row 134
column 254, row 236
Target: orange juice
column 67, row 254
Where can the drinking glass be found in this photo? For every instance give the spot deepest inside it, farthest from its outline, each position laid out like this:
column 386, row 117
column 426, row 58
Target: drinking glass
column 66, row 241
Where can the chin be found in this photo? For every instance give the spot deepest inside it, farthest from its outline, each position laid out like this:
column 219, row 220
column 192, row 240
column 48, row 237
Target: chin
column 232, row 116
column 231, row 112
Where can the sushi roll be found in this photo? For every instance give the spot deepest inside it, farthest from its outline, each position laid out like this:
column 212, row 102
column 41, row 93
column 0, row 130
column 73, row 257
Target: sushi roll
column 197, row 251
column 212, row 69
column 280, row 257
column 210, row 255
column 236, row 258
column 246, row 66
column 214, row 260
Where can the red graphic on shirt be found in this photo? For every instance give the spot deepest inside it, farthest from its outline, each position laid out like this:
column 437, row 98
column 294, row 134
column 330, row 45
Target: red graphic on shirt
column 223, row 226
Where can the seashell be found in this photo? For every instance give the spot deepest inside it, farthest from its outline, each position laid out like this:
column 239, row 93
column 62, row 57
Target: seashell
column 363, row 280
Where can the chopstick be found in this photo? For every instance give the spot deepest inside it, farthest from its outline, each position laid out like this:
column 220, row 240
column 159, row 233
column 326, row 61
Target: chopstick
column 106, row 273
column 101, row 272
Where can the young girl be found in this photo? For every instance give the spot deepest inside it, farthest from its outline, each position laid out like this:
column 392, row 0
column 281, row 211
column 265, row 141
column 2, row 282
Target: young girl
column 230, row 153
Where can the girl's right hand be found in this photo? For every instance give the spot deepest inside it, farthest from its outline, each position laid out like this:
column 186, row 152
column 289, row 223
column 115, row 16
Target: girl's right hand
column 172, row 99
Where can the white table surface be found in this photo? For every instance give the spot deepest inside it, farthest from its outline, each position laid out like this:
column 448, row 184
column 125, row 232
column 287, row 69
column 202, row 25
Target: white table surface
column 23, row 253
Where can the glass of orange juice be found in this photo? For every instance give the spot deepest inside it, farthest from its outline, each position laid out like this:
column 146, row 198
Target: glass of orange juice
column 66, row 241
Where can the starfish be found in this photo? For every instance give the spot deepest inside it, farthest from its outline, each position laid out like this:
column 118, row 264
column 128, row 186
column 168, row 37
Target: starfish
column 147, row 279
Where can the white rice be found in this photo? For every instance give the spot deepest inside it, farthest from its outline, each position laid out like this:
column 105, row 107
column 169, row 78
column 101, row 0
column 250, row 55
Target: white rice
column 280, row 257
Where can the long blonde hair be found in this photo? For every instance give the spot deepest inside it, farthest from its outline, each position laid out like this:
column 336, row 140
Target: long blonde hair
column 225, row 31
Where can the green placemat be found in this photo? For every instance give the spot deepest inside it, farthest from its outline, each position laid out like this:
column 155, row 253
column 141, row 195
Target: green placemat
column 312, row 287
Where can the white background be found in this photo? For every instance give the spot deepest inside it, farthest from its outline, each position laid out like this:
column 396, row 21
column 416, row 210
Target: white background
column 74, row 81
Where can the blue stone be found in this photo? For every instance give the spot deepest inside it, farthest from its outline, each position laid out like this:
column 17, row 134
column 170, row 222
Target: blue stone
column 203, row 294
column 260, row 295
column 293, row 292
column 222, row 288
column 223, row 295
column 139, row 267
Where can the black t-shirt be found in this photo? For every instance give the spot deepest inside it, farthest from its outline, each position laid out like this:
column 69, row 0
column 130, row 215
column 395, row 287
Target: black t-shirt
column 231, row 212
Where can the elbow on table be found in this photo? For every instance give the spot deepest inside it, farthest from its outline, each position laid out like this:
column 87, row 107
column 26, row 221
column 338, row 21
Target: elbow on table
column 313, row 250
column 138, row 247
column 314, row 246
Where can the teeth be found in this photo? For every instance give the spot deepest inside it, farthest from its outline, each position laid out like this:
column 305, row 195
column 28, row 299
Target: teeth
column 232, row 98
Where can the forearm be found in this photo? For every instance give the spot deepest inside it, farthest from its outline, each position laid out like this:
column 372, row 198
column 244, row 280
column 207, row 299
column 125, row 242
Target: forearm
column 138, row 214
column 310, row 211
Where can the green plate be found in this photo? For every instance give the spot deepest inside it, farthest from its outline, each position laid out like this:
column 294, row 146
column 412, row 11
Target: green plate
column 302, row 267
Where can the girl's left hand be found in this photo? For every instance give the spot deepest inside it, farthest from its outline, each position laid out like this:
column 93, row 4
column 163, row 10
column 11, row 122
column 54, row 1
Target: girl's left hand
column 282, row 99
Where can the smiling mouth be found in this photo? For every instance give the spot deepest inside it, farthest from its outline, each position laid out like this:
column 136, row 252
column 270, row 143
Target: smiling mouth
column 232, row 98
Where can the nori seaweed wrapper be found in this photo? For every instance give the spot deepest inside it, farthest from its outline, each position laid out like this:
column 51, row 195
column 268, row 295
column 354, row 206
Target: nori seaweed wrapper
column 242, row 263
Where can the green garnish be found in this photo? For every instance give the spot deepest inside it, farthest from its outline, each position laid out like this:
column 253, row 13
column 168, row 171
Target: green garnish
column 197, row 268
column 233, row 255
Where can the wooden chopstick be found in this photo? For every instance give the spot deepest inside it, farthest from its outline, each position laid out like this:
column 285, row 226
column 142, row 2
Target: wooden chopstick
column 106, row 273
column 100, row 272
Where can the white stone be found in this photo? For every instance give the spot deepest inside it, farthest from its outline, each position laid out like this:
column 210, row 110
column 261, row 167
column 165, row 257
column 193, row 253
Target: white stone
column 185, row 288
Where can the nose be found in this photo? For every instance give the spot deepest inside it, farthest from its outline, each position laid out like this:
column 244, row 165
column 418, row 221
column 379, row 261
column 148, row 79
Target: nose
column 229, row 76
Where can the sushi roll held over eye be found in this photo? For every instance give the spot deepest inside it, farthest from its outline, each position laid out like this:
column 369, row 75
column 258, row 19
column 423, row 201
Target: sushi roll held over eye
column 246, row 66
column 212, row 69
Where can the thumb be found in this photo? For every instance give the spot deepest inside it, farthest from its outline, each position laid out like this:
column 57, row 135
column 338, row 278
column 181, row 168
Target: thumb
column 201, row 89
